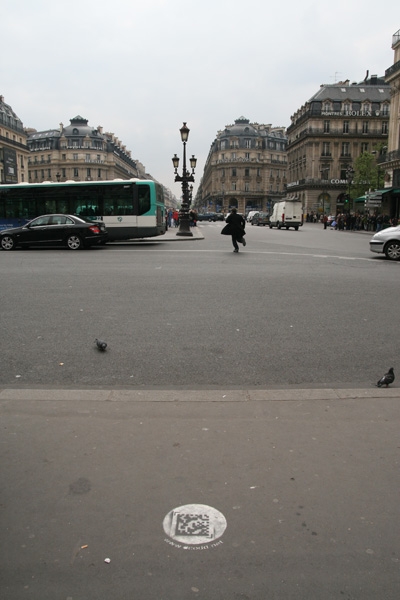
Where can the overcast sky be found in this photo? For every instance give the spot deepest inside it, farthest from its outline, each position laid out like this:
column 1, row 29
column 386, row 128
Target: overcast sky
column 141, row 68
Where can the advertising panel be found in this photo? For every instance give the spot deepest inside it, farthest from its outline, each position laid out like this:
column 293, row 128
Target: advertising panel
column 10, row 166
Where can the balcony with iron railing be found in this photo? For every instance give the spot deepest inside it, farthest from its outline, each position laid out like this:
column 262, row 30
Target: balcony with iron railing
column 388, row 157
column 8, row 141
column 393, row 70
column 338, row 131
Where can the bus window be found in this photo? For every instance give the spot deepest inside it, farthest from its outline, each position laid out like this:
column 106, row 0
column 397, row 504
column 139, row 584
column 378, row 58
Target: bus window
column 118, row 200
column 15, row 207
column 144, row 199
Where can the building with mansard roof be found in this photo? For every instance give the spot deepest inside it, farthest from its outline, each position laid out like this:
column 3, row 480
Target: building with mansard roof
column 79, row 152
column 245, row 168
column 328, row 133
column 390, row 162
column 14, row 151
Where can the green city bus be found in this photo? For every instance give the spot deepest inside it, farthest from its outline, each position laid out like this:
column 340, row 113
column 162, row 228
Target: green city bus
column 130, row 209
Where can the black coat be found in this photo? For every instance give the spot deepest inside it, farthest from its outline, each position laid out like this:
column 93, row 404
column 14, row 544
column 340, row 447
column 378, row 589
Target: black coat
column 237, row 225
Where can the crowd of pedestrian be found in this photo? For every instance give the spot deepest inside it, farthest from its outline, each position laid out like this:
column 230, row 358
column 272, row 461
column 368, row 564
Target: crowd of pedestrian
column 172, row 218
column 354, row 222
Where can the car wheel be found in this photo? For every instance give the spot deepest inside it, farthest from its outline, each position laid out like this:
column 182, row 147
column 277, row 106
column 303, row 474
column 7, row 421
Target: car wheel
column 7, row 242
column 392, row 250
column 74, row 242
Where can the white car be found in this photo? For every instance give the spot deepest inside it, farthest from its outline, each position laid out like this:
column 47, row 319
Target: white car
column 251, row 214
column 387, row 241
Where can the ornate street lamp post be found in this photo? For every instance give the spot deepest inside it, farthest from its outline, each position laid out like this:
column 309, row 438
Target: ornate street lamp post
column 185, row 179
column 349, row 177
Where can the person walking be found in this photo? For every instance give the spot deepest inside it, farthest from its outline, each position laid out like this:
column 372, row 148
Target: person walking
column 236, row 229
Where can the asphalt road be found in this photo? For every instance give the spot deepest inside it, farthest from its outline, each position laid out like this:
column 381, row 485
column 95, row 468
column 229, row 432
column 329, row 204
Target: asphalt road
column 205, row 454
column 303, row 308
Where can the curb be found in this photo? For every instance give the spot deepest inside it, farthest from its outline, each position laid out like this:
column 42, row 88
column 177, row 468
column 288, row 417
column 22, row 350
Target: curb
column 206, row 395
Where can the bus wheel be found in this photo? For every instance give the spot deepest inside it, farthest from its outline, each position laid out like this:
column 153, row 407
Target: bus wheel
column 74, row 242
column 7, row 242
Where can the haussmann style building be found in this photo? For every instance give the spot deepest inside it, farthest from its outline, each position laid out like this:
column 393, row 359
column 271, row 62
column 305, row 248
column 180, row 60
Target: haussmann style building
column 327, row 134
column 245, row 169
column 14, row 152
column 79, row 152
column 390, row 162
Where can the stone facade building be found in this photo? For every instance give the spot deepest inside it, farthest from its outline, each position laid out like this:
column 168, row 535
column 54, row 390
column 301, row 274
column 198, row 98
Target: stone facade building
column 245, row 168
column 390, row 163
column 14, row 151
column 328, row 133
column 79, row 152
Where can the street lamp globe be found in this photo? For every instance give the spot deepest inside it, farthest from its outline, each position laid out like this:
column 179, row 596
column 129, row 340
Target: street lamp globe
column 184, row 133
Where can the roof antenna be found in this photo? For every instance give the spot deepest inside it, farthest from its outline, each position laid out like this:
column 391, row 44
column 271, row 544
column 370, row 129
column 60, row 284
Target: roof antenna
column 335, row 76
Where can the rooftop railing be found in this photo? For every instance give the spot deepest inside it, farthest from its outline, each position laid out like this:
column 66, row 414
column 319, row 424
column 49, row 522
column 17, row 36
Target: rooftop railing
column 393, row 69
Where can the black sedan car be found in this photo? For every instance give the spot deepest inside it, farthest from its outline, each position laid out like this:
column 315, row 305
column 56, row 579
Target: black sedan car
column 55, row 230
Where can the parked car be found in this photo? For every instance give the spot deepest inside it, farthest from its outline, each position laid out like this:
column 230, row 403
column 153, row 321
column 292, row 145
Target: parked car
column 251, row 215
column 55, row 230
column 387, row 241
column 260, row 218
column 207, row 217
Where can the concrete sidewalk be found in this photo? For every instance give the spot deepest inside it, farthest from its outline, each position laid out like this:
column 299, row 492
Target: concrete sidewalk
column 170, row 494
column 170, row 236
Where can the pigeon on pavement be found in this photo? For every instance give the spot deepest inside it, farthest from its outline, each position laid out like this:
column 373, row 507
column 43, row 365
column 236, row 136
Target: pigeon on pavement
column 387, row 379
column 100, row 344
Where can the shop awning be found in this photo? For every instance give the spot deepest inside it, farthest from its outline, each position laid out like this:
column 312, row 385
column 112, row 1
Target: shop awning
column 360, row 199
column 377, row 194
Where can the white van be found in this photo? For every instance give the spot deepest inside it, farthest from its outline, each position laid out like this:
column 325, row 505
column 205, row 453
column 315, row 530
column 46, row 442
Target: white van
column 288, row 213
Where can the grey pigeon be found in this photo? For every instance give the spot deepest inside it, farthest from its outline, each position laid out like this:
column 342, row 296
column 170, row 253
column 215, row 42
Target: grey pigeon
column 387, row 379
column 100, row 344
